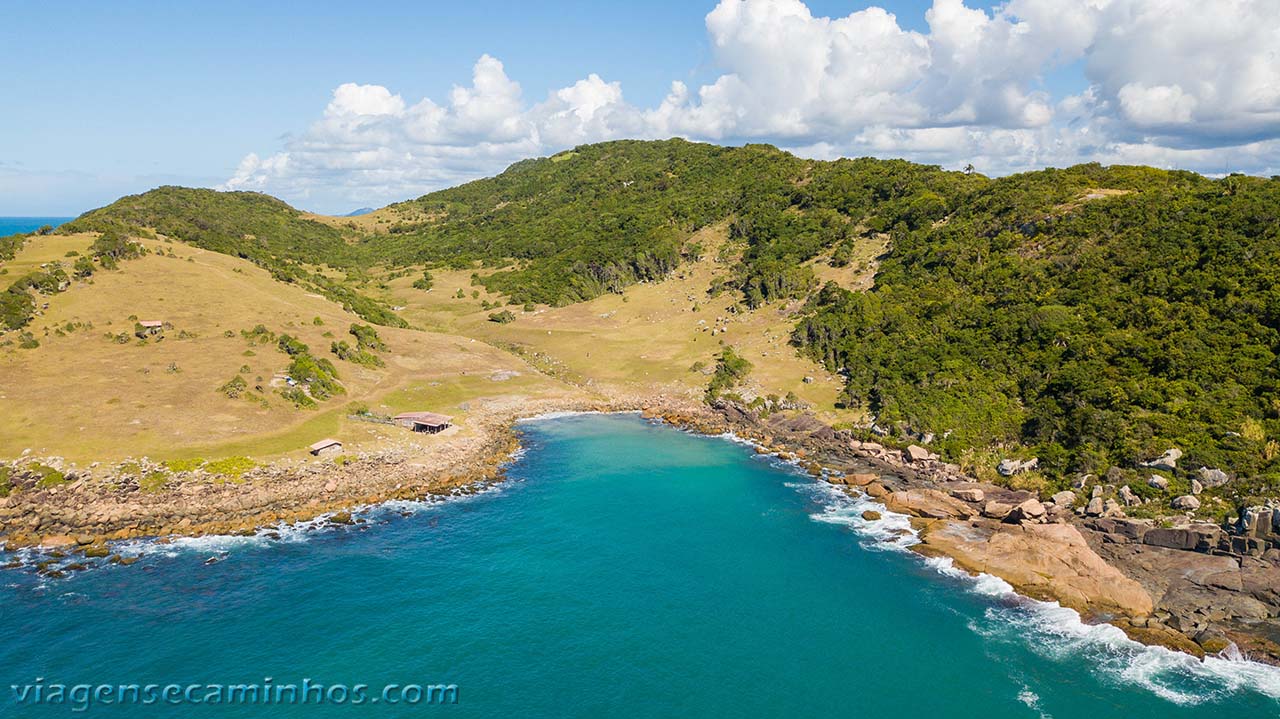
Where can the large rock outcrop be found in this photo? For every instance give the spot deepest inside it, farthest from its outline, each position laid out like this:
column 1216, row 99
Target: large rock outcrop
column 1046, row 561
column 929, row 504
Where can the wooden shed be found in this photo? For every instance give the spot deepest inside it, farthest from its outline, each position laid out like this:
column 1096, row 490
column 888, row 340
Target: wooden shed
column 428, row 422
column 326, row 447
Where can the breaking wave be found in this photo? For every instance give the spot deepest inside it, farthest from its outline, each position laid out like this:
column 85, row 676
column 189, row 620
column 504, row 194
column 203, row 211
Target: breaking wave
column 1051, row 630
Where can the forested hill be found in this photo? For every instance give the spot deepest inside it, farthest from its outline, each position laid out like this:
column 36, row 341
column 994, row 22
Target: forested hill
column 246, row 224
column 603, row 216
column 1099, row 328
column 1094, row 315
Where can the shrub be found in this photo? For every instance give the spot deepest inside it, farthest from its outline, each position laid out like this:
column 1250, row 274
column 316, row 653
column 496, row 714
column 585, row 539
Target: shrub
column 9, row 246
column 291, row 346
column 502, row 317
column 184, row 465
column 358, row 356
column 46, row 476
column 731, row 368
column 319, row 375
column 83, row 268
column 235, row 387
column 230, row 466
column 16, row 309
column 367, row 337
column 298, row 397
column 258, row 335
column 112, row 246
column 153, row 481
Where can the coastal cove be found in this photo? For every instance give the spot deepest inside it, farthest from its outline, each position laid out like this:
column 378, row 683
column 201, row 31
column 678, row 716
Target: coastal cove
column 623, row 567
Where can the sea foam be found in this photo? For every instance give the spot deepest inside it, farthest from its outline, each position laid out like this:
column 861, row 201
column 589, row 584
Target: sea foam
column 1050, row 629
column 214, row 547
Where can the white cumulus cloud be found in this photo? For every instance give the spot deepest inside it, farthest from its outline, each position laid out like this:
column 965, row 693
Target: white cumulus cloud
column 1167, row 82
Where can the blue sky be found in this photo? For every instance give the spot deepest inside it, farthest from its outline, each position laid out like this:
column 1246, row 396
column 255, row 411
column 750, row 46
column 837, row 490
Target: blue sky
column 105, row 99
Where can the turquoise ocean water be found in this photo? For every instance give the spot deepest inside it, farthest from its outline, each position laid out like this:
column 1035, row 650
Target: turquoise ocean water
column 626, row 569
column 14, row 225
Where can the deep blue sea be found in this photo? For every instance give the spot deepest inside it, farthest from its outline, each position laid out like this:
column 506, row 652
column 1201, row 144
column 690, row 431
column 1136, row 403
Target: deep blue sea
column 14, row 225
column 626, row 569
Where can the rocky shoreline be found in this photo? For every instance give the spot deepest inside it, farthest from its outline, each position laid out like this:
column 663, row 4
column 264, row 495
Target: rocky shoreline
column 1169, row 586
column 1180, row 587
column 91, row 509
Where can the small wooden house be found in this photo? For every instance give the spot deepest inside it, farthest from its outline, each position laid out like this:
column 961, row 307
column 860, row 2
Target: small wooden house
column 151, row 327
column 326, row 447
column 428, row 422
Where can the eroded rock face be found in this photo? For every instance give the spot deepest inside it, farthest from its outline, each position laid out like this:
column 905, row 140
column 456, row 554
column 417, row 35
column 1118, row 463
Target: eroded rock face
column 860, row 479
column 1065, row 498
column 916, row 453
column 969, row 494
column 1259, row 521
column 1029, row 511
column 1120, row 531
column 928, row 503
column 997, row 510
column 1041, row 560
column 1199, row 592
column 1195, row 538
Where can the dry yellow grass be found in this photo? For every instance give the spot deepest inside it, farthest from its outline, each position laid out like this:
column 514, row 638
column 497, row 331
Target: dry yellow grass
column 378, row 221
column 859, row 274
column 40, row 250
column 83, row 396
column 645, row 340
column 86, row 397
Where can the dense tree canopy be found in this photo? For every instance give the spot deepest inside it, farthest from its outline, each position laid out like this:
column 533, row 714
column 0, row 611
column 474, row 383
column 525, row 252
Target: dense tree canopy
column 1096, row 327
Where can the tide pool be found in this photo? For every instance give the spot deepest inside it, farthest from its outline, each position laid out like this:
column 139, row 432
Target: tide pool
column 625, row 569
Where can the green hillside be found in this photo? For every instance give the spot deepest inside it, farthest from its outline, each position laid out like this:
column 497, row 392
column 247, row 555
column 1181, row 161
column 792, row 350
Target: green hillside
column 1097, row 331
column 245, row 224
column 249, row 225
column 1090, row 316
column 603, row 216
